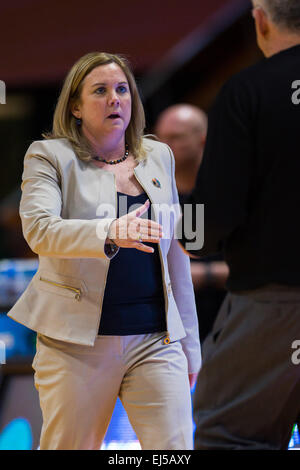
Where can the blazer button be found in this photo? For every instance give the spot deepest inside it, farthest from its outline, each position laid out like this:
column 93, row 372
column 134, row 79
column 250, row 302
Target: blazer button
column 167, row 339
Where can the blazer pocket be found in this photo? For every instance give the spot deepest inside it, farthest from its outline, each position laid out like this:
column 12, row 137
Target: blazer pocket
column 59, row 284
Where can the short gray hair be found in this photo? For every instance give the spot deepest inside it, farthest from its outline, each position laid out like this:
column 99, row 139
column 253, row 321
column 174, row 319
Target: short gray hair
column 284, row 13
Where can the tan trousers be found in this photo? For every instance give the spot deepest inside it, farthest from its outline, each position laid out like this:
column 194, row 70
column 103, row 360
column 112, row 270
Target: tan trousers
column 78, row 387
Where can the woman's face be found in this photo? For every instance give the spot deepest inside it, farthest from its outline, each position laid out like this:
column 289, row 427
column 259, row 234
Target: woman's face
column 105, row 103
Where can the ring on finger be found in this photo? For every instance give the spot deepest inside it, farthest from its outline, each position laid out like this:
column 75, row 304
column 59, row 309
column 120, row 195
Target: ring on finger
column 140, row 237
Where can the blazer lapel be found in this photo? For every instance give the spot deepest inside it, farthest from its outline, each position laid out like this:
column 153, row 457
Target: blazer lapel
column 154, row 179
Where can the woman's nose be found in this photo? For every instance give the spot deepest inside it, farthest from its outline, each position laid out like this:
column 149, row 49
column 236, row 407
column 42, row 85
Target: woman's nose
column 113, row 99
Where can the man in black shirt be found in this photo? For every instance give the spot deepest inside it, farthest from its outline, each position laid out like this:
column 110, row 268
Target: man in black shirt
column 248, row 391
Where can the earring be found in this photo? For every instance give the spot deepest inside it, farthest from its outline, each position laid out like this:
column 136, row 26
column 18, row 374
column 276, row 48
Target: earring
column 78, row 121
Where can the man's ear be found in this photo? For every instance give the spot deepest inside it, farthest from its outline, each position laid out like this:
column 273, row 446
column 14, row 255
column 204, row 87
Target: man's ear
column 261, row 22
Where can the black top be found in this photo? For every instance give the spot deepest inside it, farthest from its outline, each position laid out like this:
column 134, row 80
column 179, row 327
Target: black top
column 133, row 299
column 250, row 175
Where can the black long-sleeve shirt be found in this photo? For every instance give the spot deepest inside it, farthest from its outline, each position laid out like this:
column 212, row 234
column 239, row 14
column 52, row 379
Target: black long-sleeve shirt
column 249, row 180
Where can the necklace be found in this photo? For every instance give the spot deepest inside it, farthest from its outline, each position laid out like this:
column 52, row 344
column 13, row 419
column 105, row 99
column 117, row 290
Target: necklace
column 114, row 162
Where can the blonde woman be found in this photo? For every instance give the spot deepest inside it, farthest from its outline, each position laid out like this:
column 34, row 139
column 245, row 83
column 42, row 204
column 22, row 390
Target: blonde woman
column 112, row 301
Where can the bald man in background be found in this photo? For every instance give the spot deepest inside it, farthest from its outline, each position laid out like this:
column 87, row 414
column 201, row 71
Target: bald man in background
column 184, row 127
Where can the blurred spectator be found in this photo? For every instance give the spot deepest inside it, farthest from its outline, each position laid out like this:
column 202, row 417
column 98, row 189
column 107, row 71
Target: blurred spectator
column 184, row 127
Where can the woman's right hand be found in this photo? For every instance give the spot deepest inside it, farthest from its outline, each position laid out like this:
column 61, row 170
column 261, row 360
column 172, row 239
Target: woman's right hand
column 130, row 231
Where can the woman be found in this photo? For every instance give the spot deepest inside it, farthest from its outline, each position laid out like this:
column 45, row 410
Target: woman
column 110, row 321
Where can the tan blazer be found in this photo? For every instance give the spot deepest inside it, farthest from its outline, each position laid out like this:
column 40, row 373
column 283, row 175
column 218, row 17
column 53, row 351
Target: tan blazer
column 64, row 223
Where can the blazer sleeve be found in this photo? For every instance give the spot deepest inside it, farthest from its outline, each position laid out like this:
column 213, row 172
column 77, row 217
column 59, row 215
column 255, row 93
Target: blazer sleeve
column 45, row 231
column 183, row 291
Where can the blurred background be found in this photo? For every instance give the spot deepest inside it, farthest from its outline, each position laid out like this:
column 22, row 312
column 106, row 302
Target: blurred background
column 180, row 51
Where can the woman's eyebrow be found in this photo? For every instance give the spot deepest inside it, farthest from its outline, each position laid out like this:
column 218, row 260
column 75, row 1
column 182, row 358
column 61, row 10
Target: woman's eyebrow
column 103, row 84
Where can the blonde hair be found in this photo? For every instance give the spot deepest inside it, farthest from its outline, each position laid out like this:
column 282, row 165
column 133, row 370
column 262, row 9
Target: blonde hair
column 64, row 123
